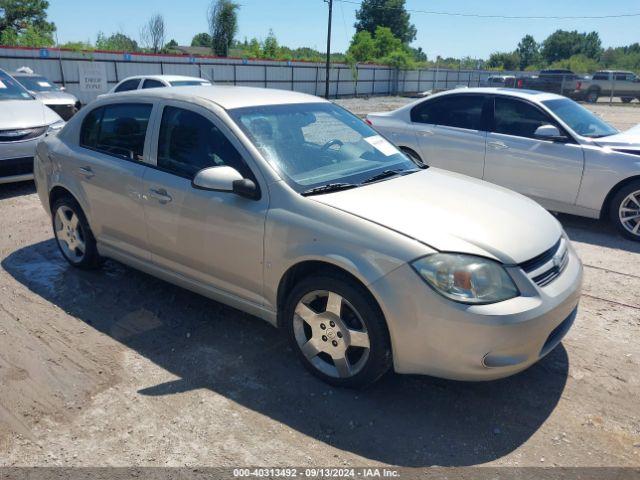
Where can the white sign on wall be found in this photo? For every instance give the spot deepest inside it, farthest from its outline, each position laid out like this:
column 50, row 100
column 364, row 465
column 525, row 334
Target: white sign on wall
column 93, row 77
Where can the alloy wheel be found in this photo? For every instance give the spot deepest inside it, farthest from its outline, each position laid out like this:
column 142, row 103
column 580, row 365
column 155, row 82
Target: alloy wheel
column 629, row 213
column 69, row 234
column 331, row 334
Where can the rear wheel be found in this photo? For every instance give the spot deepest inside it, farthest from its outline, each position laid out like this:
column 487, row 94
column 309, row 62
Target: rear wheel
column 625, row 211
column 338, row 331
column 73, row 235
column 592, row 96
column 627, row 99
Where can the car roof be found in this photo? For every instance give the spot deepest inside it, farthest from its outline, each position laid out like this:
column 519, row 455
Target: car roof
column 228, row 97
column 167, row 78
column 534, row 95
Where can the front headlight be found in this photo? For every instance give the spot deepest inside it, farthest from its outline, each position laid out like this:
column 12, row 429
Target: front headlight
column 55, row 127
column 466, row 278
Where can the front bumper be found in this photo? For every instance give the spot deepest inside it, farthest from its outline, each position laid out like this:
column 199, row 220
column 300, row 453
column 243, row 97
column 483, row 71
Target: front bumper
column 431, row 335
column 16, row 160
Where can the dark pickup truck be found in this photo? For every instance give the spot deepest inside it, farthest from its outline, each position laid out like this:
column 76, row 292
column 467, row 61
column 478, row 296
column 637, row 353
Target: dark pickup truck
column 562, row 82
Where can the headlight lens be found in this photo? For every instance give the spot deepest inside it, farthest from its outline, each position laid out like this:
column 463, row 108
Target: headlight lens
column 466, row 278
column 55, row 127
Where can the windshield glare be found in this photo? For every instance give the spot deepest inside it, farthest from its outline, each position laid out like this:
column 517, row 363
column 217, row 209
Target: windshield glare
column 579, row 119
column 10, row 89
column 37, row 84
column 318, row 144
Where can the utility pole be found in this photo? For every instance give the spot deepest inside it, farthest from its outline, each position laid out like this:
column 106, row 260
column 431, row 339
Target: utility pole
column 326, row 86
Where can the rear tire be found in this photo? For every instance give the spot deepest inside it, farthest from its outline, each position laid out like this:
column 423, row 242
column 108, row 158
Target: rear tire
column 337, row 330
column 73, row 234
column 624, row 211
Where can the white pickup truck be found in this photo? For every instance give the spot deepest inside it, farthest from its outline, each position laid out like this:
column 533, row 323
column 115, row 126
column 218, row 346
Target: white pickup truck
column 616, row 83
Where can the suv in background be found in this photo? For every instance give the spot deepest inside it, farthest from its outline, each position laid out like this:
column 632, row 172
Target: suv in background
column 53, row 96
column 617, row 83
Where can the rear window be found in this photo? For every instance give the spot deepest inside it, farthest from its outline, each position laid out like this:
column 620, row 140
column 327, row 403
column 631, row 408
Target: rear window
column 128, row 85
column 118, row 130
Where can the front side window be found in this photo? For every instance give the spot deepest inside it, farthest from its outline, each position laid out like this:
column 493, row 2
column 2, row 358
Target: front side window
column 10, row 89
column 317, row 144
column 189, row 142
column 518, row 118
column 579, row 119
column 128, row 85
column 601, row 76
column 119, row 130
column 461, row 111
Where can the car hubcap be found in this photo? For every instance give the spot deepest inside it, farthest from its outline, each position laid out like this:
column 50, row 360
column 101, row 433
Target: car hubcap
column 331, row 334
column 629, row 213
column 69, row 234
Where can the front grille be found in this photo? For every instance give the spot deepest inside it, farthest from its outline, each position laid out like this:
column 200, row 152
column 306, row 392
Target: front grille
column 65, row 111
column 546, row 267
column 21, row 134
column 16, row 166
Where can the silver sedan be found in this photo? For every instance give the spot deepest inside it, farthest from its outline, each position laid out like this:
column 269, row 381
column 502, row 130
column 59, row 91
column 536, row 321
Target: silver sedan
column 540, row 144
column 290, row 208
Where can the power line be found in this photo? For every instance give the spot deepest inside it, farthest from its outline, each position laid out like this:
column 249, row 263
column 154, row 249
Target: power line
column 510, row 17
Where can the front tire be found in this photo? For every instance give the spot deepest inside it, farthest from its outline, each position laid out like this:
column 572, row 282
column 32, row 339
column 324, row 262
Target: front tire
column 625, row 211
column 338, row 331
column 73, row 234
column 626, row 99
column 592, row 96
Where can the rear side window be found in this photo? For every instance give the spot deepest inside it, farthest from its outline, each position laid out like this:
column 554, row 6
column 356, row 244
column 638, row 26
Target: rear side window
column 150, row 83
column 461, row 111
column 117, row 130
column 189, row 142
column 518, row 118
column 128, row 85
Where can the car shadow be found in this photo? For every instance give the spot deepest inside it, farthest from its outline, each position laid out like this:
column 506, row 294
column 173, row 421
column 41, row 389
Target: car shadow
column 10, row 190
column 596, row 232
column 401, row 420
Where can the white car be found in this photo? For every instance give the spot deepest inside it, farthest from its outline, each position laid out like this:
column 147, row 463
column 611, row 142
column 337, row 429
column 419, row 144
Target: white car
column 140, row 82
column 539, row 144
column 24, row 121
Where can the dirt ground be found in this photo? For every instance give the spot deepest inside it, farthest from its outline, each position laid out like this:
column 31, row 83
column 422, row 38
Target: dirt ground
column 116, row 368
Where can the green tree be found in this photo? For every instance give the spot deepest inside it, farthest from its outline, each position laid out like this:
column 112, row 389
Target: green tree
column 529, row 51
column 362, row 48
column 24, row 23
column 401, row 59
column 563, row 44
column 270, row 46
column 386, row 13
column 201, row 40
column 223, row 25
column 254, row 48
column 503, row 61
column 386, row 42
column 117, row 42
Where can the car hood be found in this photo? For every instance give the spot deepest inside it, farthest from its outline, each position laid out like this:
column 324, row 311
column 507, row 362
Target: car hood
column 628, row 139
column 16, row 114
column 456, row 213
column 55, row 98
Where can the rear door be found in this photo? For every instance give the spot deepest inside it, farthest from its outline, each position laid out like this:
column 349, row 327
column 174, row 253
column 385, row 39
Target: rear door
column 548, row 171
column 109, row 165
column 450, row 132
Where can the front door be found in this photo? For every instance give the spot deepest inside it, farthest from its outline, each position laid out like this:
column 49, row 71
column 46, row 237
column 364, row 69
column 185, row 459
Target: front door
column 450, row 132
column 547, row 171
column 215, row 238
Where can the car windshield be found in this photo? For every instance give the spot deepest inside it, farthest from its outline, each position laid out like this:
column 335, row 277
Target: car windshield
column 37, row 84
column 579, row 119
column 188, row 83
column 10, row 89
column 320, row 144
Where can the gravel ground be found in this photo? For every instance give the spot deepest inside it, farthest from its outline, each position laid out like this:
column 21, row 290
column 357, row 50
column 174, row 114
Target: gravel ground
column 116, row 368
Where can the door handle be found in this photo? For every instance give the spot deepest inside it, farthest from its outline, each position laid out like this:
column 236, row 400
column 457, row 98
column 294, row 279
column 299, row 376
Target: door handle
column 161, row 195
column 425, row 133
column 498, row 145
column 86, row 172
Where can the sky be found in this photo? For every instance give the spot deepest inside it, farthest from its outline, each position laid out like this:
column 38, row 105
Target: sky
column 298, row 23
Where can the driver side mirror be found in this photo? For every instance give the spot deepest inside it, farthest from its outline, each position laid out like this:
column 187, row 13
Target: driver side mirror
column 225, row 179
column 549, row 132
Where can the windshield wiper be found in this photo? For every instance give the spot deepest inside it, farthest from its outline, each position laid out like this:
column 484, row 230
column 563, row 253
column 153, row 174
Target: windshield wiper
column 328, row 188
column 388, row 173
